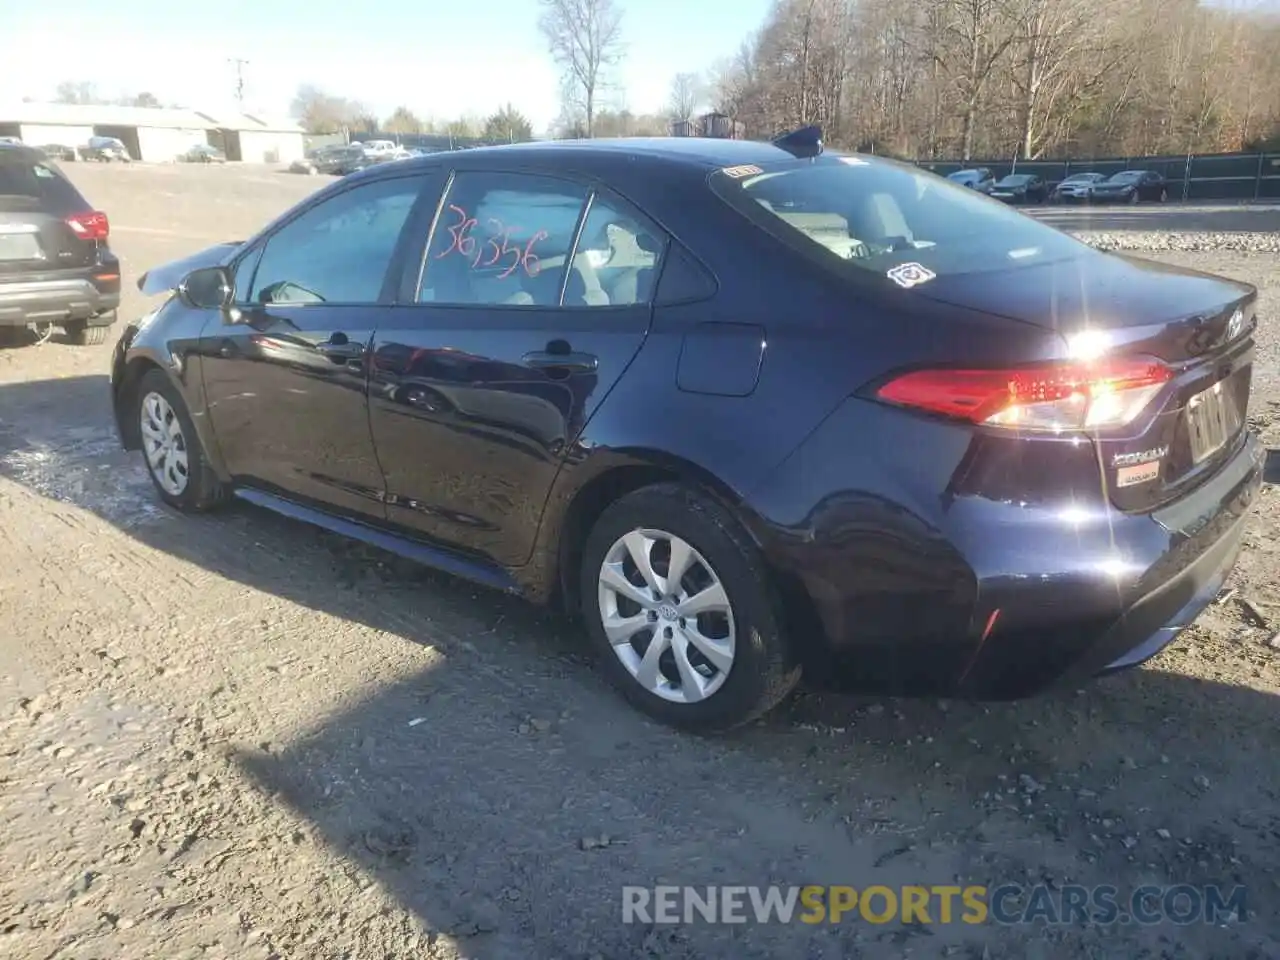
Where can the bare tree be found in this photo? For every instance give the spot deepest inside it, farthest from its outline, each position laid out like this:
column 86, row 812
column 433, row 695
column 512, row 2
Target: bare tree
column 686, row 92
column 585, row 40
column 78, row 91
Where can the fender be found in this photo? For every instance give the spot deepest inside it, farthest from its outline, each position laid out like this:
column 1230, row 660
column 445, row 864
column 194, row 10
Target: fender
column 167, row 339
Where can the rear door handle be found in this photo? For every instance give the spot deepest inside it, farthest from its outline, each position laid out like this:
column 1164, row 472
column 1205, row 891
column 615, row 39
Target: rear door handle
column 341, row 351
column 545, row 360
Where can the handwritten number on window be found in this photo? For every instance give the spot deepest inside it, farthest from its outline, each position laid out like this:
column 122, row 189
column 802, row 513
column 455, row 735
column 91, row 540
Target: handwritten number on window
column 500, row 247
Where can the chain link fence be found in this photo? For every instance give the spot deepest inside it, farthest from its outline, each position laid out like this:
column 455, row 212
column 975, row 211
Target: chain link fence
column 1220, row 176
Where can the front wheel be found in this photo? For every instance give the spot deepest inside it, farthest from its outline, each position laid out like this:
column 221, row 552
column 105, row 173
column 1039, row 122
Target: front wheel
column 171, row 448
column 681, row 609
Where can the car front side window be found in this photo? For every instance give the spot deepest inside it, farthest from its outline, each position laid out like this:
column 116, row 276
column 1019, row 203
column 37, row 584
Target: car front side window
column 337, row 251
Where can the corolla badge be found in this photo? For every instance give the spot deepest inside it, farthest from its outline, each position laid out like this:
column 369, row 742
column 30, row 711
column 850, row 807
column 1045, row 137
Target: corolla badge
column 1235, row 324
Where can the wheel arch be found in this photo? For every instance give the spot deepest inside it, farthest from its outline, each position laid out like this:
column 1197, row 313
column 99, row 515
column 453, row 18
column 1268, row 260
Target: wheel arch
column 567, row 527
column 184, row 378
column 126, row 398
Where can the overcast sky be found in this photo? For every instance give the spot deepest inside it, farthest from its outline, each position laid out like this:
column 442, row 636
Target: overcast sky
column 441, row 59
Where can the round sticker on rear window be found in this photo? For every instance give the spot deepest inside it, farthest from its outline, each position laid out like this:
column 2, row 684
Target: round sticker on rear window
column 910, row 274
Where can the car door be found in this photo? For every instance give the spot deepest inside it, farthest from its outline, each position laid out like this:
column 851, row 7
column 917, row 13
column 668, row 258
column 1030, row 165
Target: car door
column 532, row 298
column 286, row 387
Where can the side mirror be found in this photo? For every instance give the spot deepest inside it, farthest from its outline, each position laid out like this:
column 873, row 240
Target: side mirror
column 209, row 288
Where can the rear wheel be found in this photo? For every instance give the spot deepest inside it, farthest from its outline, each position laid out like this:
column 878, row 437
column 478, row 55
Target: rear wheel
column 680, row 607
column 82, row 335
column 171, row 448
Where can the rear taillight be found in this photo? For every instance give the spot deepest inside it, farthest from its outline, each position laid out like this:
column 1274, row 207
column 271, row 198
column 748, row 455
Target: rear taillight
column 90, row 226
column 1050, row 397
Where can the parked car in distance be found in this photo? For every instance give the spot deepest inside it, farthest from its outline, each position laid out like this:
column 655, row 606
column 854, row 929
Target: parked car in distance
column 56, row 268
column 744, row 408
column 1075, row 188
column 59, row 152
column 379, row 151
column 979, row 179
column 336, row 159
column 17, row 141
column 1020, row 188
column 1130, row 186
column 105, row 150
column 348, row 160
column 203, row 153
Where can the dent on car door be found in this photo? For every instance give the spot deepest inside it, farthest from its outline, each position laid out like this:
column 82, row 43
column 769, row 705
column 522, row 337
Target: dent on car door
column 286, row 386
column 534, row 296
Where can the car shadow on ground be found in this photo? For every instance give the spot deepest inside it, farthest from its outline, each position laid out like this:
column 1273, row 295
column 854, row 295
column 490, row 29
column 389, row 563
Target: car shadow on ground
column 506, row 796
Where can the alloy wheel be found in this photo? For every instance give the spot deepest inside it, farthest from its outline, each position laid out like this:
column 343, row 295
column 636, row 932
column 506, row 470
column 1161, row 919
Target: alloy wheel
column 163, row 444
column 667, row 615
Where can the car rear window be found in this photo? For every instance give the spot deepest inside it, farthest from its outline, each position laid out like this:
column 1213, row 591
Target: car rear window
column 27, row 184
column 880, row 216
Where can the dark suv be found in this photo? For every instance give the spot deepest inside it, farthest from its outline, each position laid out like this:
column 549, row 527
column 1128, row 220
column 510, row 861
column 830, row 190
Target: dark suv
column 55, row 265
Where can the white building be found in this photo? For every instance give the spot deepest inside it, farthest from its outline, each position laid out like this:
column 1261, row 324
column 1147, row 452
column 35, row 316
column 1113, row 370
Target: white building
column 147, row 133
column 154, row 134
column 255, row 138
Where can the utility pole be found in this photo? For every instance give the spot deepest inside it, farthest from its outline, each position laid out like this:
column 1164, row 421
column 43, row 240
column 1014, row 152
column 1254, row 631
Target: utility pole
column 240, row 65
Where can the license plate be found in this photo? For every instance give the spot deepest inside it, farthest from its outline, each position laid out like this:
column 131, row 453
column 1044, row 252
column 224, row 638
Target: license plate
column 1212, row 420
column 19, row 246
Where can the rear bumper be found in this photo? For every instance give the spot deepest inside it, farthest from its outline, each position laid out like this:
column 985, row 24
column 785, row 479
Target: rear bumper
column 1110, row 613
column 56, row 301
column 1001, row 599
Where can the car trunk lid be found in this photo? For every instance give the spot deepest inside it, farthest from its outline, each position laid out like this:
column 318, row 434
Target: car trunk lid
column 1199, row 326
column 35, row 242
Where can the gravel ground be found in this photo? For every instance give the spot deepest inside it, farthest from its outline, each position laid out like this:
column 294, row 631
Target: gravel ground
column 235, row 736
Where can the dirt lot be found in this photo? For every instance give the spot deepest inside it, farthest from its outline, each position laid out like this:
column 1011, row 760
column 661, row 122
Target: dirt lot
column 235, row 736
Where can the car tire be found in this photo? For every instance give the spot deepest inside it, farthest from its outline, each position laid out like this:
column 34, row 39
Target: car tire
column 748, row 667
column 83, row 335
column 157, row 407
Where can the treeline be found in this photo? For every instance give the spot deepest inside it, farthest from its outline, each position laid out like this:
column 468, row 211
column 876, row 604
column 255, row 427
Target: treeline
column 1012, row 78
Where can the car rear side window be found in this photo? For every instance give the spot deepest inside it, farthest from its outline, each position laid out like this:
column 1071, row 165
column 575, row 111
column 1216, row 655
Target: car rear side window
column 887, row 218
column 618, row 257
column 339, row 250
column 502, row 239
column 27, row 184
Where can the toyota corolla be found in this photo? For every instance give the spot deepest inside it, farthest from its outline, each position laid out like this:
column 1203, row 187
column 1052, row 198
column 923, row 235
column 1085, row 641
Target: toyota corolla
column 746, row 409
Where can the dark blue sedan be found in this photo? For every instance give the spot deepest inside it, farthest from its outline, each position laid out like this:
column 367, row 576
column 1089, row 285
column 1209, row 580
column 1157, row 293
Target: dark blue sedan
column 746, row 409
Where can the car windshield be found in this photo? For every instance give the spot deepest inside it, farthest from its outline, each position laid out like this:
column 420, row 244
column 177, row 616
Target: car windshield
column 1015, row 180
column 878, row 215
column 1126, row 176
column 1083, row 178
column 961, row 176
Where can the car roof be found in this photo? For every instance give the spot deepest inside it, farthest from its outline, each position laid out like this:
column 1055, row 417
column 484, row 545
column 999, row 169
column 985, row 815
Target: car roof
column 20, row 150
column 693, row 152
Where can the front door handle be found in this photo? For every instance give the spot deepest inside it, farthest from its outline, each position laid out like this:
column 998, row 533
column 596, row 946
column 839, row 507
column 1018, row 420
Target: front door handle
column 341, row 350
column 546, row 360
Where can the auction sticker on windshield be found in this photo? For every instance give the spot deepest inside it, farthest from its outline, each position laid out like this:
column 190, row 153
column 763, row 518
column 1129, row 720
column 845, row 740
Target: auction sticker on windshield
column 910, row 274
